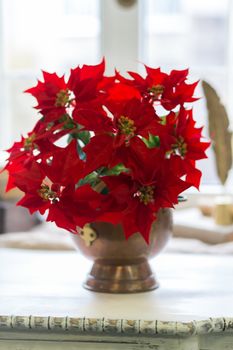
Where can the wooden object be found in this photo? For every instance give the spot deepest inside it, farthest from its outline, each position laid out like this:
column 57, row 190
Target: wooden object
column 218, row 131
column 206, row 210
column 190, row 223
column 222, row 212
column 43, row 306
column 220, row 208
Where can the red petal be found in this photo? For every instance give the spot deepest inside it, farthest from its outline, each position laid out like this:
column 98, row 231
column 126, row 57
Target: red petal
column 99, row 152
column 65, row 167
column 93, row 121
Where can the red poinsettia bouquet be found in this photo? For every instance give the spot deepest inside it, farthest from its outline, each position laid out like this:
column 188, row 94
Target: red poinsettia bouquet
column 110, row 149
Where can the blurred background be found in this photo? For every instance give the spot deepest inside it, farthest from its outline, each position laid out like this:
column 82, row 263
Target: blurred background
column 56, row 35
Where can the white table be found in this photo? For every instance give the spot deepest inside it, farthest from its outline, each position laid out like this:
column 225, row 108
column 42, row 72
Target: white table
column 43, row 305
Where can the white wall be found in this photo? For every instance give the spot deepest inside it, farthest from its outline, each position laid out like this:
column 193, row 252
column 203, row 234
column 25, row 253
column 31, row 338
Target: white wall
column 119, row 35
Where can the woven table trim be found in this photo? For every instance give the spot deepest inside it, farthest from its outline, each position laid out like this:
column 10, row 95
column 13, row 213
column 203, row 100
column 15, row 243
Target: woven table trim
column 116, row 326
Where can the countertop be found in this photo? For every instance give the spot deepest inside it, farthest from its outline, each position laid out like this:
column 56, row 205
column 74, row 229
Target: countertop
column 42, row 291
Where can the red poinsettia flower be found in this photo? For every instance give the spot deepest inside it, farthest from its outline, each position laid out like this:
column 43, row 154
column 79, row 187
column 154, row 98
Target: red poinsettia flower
column 189, row 137
column 75, row 208
column 64, row 166
column 29, row 180
column 169, row 90
column 121, row 91
column 129, row 120
column 38, row 145
column 21, row 154
column 150, row 185
column 115, row 142
column 53, row 96
column 84, row 81
column 22, row 149
column 45, row 191
column 186, row 145
column 142, row 200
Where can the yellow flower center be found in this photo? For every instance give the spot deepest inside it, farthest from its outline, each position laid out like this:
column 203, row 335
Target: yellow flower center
column 145, row 194
column 62, row 98
column 126, row 126
column 157, row 90
column 47, row 194
column 28, row 142
column 180, row 147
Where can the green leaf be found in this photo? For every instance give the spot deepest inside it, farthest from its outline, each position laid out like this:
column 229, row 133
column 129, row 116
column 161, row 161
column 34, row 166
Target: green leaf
column 94, row 178
column 182, row 198
column 64, row 118
column 163, row 120
column 84, row 136
column 69, row 125
column 91, row 179
column 79, row 146
column 82, row 155
column 105, row 190
column 116, row 170
column 152, row 141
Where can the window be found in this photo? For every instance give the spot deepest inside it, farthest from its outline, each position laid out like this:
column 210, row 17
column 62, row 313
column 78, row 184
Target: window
column 195, row 34
column 52, row 35
column 59, row 34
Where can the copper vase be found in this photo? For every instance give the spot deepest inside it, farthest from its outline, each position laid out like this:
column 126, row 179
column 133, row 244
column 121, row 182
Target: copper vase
column 120, row 265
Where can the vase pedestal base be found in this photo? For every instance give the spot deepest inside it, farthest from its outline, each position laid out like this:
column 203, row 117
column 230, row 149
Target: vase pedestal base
column 124, row 278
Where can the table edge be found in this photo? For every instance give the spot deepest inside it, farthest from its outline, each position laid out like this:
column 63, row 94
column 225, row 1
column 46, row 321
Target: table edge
column 115, row 326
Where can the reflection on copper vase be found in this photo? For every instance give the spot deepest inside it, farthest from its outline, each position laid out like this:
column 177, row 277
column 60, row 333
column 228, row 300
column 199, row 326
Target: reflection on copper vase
column 120, row 265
